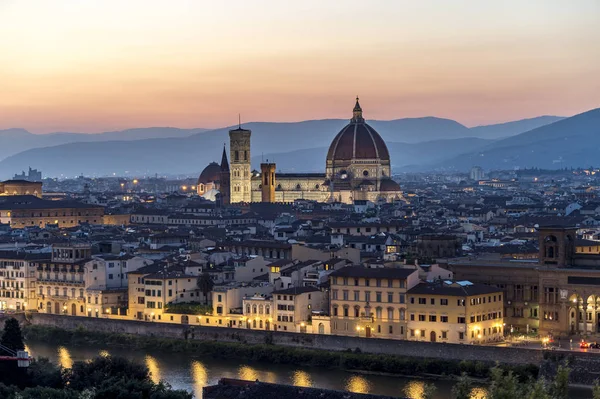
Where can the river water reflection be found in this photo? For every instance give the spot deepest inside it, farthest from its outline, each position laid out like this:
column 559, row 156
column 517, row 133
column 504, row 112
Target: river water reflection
column 191, row 372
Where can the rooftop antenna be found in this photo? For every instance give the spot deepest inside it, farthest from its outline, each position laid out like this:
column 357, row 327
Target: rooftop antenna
column 239, row 121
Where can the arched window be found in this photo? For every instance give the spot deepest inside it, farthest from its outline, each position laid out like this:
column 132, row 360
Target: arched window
column 247, row 308
column 267, row 309
column 365, row 173
column 378, row 313
column 260, row 309
column 254, row 309
column 298, row 187
column 402, row 314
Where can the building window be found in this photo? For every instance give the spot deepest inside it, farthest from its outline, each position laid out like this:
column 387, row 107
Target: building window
column 444, row 319
column 461, row 336
column 422, row 301
column 444, row 334
column 421, row 317
column 444, row 302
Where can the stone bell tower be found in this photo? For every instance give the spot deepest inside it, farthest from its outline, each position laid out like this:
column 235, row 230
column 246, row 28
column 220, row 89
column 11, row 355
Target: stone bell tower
column 240, row 172
column 268, row 181
column 557, row 245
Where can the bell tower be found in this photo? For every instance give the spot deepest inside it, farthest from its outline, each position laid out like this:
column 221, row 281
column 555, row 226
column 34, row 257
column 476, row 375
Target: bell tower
column 239, row 158
column 268, row 181
column 557, row 245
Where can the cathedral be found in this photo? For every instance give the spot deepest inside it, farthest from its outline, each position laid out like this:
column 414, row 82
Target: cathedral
column 357, row 167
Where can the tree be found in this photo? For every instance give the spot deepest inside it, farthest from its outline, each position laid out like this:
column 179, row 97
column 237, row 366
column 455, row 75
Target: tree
column 560, row 386
column 462, row 388
column 538, row 390
column 101, row 369
column 428, row 391
column 596, row 390
column 205, row 284
column 12, row 337
column 503, row 386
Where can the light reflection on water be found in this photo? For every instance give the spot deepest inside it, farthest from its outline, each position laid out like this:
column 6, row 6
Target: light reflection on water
column 247, row 373
column 301, row 378
column 478, row 393
column 64, row 358
column 199, row 376
column 358, row 384
column 414, row 389
column 191, row 372
column 152, row 365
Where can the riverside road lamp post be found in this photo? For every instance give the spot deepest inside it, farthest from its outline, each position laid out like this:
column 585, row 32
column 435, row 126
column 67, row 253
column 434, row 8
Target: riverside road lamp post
column 65, row 309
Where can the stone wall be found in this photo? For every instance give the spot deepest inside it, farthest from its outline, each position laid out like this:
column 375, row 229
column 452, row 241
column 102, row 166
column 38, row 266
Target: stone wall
column 327, row 342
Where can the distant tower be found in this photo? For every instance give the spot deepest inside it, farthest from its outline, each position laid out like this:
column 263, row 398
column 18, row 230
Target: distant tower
column 268, row 181
column 225, row 180
column 239, row 155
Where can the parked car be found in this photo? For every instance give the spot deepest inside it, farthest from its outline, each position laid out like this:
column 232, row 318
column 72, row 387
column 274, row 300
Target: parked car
column 584, row 345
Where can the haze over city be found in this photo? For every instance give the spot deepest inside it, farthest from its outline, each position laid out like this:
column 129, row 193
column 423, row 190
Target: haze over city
column 97, row 66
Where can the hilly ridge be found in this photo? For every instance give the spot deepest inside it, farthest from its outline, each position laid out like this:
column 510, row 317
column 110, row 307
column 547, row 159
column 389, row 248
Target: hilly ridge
column 412, row 141
column 569, row 142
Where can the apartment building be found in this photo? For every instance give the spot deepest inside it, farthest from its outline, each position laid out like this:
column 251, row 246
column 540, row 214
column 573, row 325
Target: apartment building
column 18, row 279
column 455, row 312
column 106, row 280
column 151, row 288
column 369, row 302
column 61, row 283
column 294, row 306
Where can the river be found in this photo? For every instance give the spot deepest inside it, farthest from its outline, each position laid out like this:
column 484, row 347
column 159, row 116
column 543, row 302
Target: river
column 191, row 372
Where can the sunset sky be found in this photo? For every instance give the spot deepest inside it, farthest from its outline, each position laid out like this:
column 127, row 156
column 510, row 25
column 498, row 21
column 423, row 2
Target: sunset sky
column 92, row 66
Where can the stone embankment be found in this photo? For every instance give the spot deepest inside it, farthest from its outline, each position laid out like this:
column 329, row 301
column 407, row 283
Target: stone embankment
column 311, row 341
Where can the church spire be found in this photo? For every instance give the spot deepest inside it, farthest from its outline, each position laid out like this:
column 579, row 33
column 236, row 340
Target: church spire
column 224, row 162
column 357, row 113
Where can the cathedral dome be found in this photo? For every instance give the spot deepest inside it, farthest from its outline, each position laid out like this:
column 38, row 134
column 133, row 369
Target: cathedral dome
column 212, row 173
column 357, row 140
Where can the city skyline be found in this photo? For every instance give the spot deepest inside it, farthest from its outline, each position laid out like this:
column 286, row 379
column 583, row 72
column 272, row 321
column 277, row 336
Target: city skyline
column 98, row 66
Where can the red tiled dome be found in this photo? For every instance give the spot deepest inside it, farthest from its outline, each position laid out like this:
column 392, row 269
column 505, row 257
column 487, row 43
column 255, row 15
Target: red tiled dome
column 357, row 140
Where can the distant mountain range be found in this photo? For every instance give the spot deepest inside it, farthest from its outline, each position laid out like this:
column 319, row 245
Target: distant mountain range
column 569, row 142
column 13, row 141
column 414, row 143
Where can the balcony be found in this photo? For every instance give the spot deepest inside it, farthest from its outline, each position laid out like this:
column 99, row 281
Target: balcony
column 59, row 297
column 60, row 281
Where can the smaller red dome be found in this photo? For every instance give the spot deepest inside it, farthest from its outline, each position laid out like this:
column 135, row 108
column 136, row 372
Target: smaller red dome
column 212, row 173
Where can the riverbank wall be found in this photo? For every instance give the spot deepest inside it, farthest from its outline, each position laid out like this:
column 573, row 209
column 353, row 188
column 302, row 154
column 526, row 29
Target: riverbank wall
column 309, row 341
